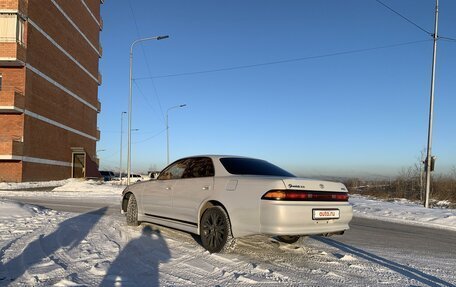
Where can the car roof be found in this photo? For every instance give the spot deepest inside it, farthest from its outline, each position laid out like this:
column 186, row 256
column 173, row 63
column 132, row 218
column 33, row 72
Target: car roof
column 215, row 156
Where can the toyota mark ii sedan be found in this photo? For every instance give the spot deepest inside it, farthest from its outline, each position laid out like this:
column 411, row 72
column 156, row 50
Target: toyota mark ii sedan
column 221, row 198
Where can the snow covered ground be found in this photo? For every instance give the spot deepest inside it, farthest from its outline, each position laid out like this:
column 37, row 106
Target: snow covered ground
column 403, row 211
column 43, row 247
column 399, row 210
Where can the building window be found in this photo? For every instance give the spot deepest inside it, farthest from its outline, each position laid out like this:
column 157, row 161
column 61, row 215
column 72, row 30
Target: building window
column 20, row 30
column 11, row 28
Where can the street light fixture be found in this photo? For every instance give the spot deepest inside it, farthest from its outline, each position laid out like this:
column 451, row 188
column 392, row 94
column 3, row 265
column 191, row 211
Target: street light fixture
column 167, row 130
column 130, row 102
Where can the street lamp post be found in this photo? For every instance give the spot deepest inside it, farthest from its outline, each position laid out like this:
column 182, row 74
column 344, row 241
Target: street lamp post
column 121, row 140
column 130, row 102
column 167, row 130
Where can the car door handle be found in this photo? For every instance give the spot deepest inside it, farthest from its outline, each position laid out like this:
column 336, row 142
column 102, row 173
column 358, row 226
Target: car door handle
column 206, row 187
column 168, row 188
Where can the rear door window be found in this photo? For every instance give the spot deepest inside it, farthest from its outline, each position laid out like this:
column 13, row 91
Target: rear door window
column 251, row 166
column 199, row 167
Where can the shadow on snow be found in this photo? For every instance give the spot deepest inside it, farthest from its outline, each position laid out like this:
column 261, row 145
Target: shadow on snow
column 137, row 263
column 68, row 235
column 407, row 271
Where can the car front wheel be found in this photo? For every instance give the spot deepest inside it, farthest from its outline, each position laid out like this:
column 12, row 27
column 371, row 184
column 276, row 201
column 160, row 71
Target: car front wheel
column 216, row 230
column 132, row 211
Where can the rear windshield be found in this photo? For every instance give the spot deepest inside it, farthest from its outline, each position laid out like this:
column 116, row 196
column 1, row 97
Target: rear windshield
column 252, row 166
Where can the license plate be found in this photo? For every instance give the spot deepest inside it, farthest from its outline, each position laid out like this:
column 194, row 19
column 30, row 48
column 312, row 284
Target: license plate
column 325, row 214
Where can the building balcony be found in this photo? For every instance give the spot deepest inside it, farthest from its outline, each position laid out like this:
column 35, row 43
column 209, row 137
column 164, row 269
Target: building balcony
column 11, row 101
column 100, row 50
column 98, row 106
column 11, row 147
column 98, row 134
column 13, row 53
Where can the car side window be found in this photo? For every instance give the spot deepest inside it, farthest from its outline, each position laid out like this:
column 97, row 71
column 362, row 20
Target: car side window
column 199, row 167
column 174, row 171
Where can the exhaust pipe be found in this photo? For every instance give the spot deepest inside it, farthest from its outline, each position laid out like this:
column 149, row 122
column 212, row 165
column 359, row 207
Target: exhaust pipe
column 332, row 233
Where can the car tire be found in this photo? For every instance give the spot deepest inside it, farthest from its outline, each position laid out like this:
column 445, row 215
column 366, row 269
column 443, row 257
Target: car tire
column 132, row 211
column 290, row 239
column 215, row 231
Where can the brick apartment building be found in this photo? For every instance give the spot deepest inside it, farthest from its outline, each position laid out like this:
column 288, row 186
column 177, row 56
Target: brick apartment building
column 49, row 53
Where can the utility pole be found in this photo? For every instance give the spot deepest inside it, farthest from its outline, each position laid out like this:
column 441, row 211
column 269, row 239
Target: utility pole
column 428, row 161
column 121, row 140
column 421, row 166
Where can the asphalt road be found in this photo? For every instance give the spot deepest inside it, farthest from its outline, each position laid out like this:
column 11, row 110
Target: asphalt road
column 363, row 233
column 420, row 241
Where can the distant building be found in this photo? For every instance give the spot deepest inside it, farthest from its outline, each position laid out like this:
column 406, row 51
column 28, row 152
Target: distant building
column 49, row 53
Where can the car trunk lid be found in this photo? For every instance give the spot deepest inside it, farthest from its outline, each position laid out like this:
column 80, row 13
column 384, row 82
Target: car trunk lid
column 313, row 185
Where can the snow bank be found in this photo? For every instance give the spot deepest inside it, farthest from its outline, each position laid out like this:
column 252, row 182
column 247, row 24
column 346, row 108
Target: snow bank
column 403, row 211
column 78, row 185
column 71, row 191
column 29, row 185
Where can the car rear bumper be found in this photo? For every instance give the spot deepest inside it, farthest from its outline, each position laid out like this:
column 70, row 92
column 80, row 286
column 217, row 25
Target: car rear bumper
column 295, row 218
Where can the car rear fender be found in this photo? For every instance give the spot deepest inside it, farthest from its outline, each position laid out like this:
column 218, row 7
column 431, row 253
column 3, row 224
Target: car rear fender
column 206, row 205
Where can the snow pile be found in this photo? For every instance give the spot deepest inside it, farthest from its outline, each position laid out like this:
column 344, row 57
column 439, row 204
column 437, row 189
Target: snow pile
column 403, row 211
column 71, row 189
column 80, row 185
column 67, row 185
column 30, row 185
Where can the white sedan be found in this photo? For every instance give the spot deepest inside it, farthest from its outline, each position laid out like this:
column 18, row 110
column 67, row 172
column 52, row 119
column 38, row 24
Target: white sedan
column 222, row 198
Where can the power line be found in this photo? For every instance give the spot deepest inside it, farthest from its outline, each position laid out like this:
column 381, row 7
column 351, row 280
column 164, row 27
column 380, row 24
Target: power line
column 136, row 132
column 283, row 61
column 144, row 96
column 448, row 38
column 413, row 23
column 403, row 17
column 149, row 138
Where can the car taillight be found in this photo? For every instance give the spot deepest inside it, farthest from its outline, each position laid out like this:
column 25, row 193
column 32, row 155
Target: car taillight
column 304, row 195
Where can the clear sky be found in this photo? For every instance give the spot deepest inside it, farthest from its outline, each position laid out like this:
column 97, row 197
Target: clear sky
column 318, row 87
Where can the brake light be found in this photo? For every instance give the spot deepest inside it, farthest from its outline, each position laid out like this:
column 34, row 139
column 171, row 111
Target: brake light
column 304, row 195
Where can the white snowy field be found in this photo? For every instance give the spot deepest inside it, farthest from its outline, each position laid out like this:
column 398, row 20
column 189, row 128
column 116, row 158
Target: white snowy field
column 403, row 211
column 43, row 247
column 399, row 210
